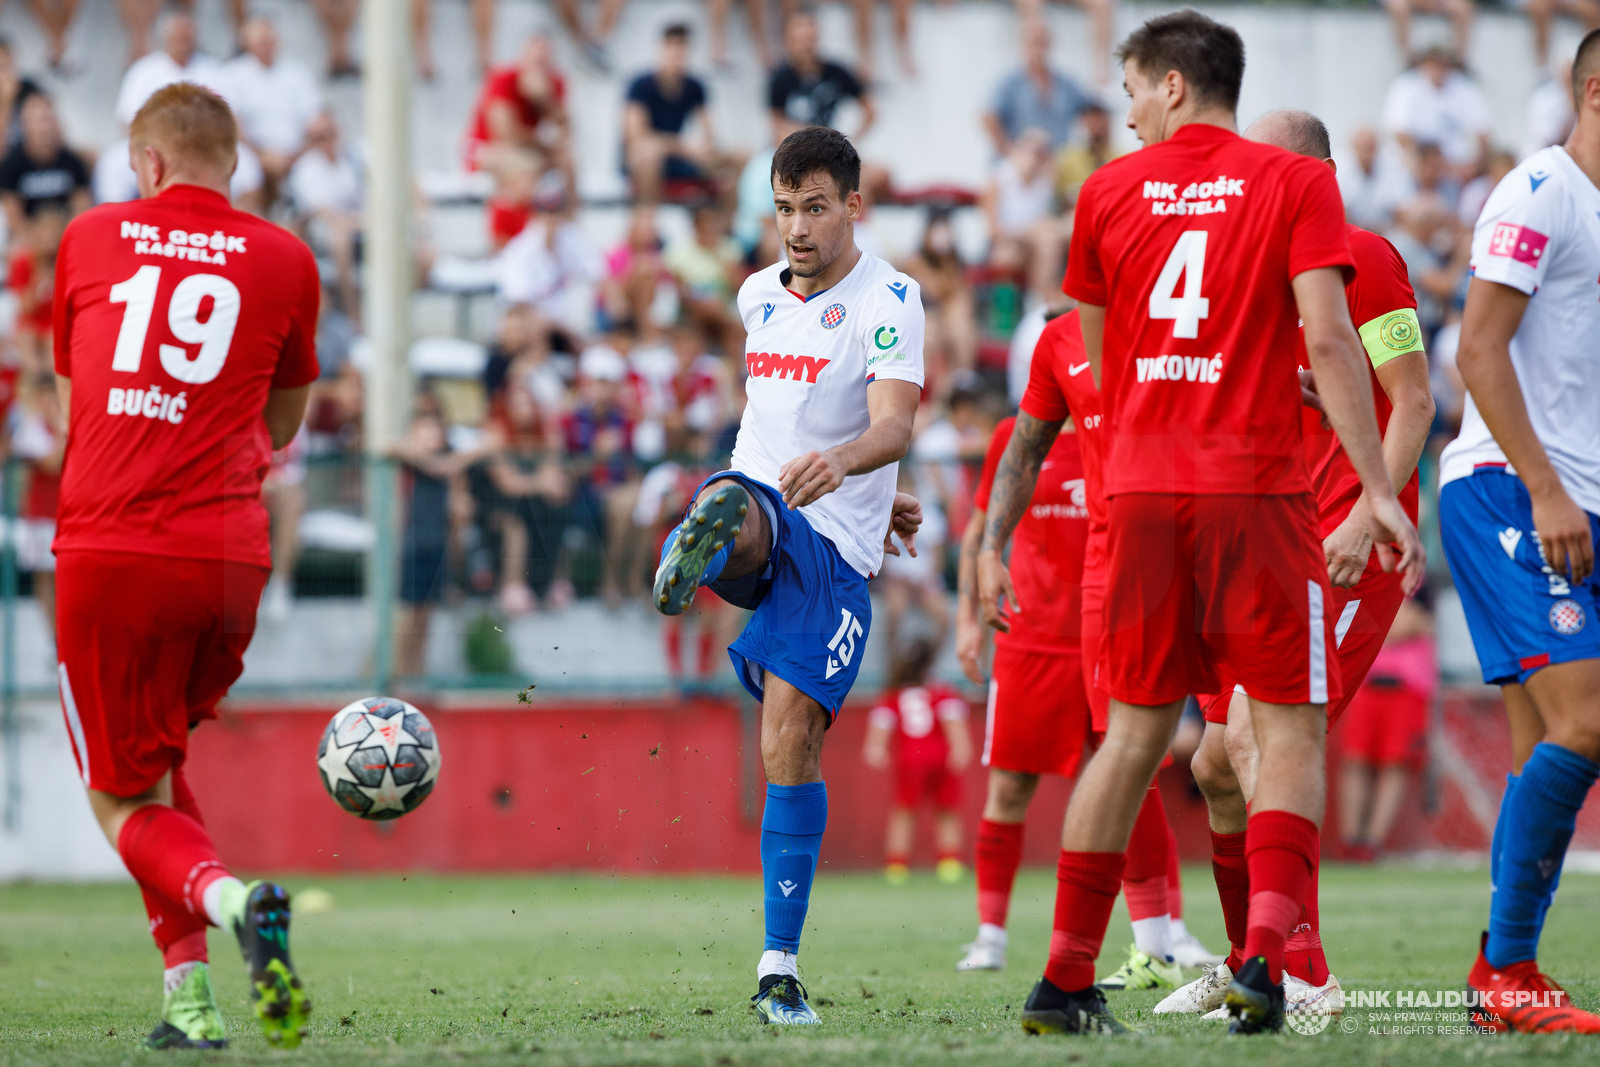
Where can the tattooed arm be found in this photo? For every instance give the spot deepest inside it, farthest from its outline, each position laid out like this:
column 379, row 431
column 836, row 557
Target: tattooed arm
column 969, row 626
column 1014, row 480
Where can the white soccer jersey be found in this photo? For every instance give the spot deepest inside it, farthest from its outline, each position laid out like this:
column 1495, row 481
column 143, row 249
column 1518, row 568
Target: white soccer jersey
column 810, row 362
column 1540, row 233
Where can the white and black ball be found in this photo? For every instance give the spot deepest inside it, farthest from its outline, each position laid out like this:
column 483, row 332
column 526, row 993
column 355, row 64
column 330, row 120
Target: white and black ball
column 379, row 758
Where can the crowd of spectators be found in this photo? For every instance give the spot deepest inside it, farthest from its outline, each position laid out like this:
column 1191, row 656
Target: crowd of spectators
column 613, row 383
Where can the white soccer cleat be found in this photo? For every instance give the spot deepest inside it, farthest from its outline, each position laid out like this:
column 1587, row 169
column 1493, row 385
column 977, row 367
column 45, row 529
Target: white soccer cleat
column 982, row 956
column 1199, row 996
column 1303, row 998
column 1187, row 951
column 1220, row 1015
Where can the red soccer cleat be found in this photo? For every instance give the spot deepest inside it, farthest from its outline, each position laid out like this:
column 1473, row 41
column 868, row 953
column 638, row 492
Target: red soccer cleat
column 1522, row 998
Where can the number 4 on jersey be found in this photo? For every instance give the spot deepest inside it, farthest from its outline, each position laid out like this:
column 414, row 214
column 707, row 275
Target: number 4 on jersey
column 1188, row 258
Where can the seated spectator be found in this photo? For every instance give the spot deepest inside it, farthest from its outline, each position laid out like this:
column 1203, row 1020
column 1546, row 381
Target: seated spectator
column 805, row 89
column 1035, row 97
column 1431, row 176
column 527, row 501
column 15, row 89
column 521, row 107
column 1101, row 14
column 1459, row 12
column 274, row 98
column 41, row 173
column 1550, row 114
column 482, row 12
column 325, row 187
column 661, row 105
column 39, row 441
column 1436, row 251
column 543, row 265
column 1374, row 186
column 598, row 432
column 138, row 16
column 434, row 490
column 1541, row 13
column 704, row 265
column 179, row 59
column 1079, row 159
column 1476, row 192
column 31, row 276
column 1019, row 203
column 1434, row 101
column 516, row 190
column 684, row 391
column 635, row 274
column 951, row 343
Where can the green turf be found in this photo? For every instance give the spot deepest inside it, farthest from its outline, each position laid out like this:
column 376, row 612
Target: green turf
column 576, row 970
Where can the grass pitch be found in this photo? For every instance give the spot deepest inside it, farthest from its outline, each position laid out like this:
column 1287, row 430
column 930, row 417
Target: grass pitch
column 587, row 970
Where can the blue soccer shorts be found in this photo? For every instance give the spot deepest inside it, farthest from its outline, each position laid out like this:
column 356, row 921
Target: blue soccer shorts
column 1523, row 616
column 812, row 611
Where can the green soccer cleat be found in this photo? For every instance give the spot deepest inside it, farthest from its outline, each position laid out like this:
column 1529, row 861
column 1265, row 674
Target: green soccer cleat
column 1254, row 1001
column 1142, row 971
column 1052, row 1010
column 279, row 998
column 190, row 1017
column 782, row 999
column 713, row 522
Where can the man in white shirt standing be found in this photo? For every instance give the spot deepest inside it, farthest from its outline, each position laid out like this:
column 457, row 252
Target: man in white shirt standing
column 273, row 96
column 1520, row 512
column 800, row 522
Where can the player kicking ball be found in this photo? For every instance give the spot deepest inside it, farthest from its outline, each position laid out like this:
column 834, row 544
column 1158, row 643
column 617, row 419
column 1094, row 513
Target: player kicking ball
column 1519, row 510
column 799, row 523
column 184, row 352
column 1194, row 262
column 1364, row 599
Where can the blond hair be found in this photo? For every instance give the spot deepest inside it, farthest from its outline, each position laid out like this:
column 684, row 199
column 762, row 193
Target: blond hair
column 192, row 125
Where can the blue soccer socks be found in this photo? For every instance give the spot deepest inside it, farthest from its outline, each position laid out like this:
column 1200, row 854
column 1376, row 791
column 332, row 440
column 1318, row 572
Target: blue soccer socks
column 1496, row 842
column 1538, row 820
column 791, row 837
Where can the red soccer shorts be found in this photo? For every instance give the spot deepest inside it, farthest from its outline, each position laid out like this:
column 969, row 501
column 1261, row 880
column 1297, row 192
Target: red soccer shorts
column 1200, row 588
column 1092, row 635
column 147, row 646
column 924, row 774
column 1362, row 616
column 1038, row 720
column 1387, row 726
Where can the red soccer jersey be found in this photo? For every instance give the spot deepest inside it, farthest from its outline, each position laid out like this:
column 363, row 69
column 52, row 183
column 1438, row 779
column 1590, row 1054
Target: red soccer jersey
column 1048, row 547
column 174, row 317
column 917, row 714
column 1190, row 245
column 502, row 85
column 1379, row 296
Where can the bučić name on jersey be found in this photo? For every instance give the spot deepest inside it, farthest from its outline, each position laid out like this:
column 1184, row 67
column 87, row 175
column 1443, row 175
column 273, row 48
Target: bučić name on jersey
column 151, row 403
column 1179, row 369
column 1197, row 198
column 181, row 244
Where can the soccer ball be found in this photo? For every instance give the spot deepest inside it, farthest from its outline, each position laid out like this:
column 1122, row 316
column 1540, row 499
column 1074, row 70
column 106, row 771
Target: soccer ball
column 379, row 758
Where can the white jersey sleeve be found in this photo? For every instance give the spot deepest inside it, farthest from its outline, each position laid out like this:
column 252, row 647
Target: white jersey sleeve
column 1516, row 228
column 892, row 337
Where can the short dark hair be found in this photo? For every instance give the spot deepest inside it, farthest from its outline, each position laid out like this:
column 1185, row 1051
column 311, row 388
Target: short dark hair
column 679, row 30
column 814, row 148
column 1585, row 65
column 1208, row 54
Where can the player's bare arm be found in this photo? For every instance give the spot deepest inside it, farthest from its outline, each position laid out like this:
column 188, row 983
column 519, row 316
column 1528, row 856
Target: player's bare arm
column 969, row 627
column 1092, row 320
column 1404, row 380
column 892, row 407
column 1014, row 480
column 1340, row 366
column 1492, row 315
column 285, row 411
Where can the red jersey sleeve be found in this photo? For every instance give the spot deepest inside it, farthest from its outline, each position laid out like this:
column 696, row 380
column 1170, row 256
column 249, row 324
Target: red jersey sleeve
column 1085, row 280
column 991, row 462
column 1316, row 235
column 1381, row 283
column 61, row 309
column 297, row 364
column 1044, row 398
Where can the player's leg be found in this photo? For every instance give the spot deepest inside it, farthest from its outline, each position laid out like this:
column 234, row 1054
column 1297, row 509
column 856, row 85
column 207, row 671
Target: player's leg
column 722, row 538
column 792, row 728
column 1150, row 963
column 902, row 825
column 1187, row 948
column 1527, row 730
column 947, row 836
column 997, row 855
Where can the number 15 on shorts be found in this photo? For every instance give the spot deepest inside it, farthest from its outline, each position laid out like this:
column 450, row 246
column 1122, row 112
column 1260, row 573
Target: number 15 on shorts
column 844, row 642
